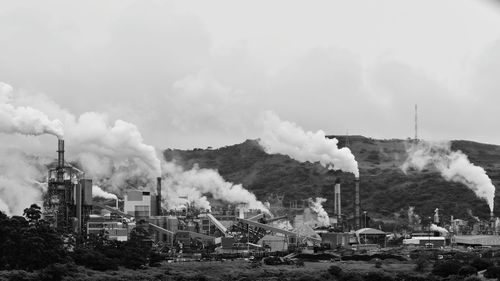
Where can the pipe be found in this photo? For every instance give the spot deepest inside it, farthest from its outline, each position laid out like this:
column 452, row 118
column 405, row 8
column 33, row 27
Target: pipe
column 356, row 205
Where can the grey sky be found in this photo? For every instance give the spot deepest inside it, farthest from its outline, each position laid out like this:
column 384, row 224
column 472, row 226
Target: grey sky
column 200, row 73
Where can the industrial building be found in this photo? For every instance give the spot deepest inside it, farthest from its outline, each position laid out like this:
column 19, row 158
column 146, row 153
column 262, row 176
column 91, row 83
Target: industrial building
column 69, row 206
column 68, row 201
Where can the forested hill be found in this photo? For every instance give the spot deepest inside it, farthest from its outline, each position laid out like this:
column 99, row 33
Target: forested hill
column 386, row 192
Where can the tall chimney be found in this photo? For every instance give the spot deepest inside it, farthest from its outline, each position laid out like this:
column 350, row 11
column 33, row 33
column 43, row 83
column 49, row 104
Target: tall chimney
column 79, row 199
column 158, row 196
column 337, row 203
column 60, row 160
column 356, row 205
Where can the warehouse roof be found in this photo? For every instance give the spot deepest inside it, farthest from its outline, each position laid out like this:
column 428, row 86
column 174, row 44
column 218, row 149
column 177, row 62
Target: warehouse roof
column 484, row 240
column 368, row 231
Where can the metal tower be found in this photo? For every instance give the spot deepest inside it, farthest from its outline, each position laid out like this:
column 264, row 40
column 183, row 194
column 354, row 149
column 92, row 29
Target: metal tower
column 416, row 123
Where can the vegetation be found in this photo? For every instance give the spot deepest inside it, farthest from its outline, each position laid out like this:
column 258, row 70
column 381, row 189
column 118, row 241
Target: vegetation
column 385, row 190
column 29, row 243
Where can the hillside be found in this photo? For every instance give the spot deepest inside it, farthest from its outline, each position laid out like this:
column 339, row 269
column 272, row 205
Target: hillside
column 386, row 192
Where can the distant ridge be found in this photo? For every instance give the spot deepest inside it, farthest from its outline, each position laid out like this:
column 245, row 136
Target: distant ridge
column 386, row 192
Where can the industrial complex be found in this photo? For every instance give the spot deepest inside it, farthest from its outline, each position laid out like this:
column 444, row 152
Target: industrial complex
column 233, row 229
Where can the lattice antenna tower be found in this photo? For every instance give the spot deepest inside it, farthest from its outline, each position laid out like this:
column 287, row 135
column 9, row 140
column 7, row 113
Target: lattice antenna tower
column 347, row 139
column 416, row 122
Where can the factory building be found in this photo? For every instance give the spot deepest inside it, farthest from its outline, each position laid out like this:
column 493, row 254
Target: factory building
column 476, row 240
column 139, row 204
column 113, row 229
column 68, row 201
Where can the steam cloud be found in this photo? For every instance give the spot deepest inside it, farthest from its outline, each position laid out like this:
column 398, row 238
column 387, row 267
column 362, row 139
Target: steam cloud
column 287, row 138
column 317, row 206
column 18, row 181
column 453, row 166
column 98, row 192
column 439, row 229
column 115, row 156
column 412, row 217
column 24, row 120
column 195, row 183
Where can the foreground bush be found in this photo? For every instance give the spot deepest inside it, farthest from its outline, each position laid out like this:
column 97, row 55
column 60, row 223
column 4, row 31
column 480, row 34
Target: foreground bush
column 481, row 264
column 467, row 270
column 446, row 268
column 492, row 272
column 378, row 276
column 335, row 270
column 94, row 260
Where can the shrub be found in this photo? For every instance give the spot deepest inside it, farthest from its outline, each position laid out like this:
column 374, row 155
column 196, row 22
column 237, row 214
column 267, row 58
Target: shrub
column 446, row 268
column 455, row 278
column 492, row 272
column 473, row 278
column 155, row 259
column 378, row 276
column 56, row 272
column 481, row 264
column 351, row 276
column 407, row 277
column 335, row 270
column 421, row 264
column 467, row 270
column 21, row 275
column 94, row 260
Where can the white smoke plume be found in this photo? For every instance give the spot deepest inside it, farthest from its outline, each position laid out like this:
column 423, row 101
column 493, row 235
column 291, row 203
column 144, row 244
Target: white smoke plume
column 113, row 154
column 196, row 183
column 439, row 229
column 4, row 208
column 18, row 181
column 453, row 166
column 412, row 217
column 24, row 120
column 283, row 224
column 317, row 206
column 98, row 192
column 287, row 138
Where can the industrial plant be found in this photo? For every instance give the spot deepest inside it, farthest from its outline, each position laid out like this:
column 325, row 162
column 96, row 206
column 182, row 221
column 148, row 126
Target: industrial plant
column 234, row 229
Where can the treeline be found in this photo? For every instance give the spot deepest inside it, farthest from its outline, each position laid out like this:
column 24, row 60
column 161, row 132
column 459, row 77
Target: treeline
column 29, row 243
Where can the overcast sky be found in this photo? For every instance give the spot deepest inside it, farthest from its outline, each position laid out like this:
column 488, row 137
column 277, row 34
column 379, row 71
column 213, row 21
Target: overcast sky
column 200, row 73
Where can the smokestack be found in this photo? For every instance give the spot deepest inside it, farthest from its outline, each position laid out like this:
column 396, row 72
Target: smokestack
column 78, row 197
column 158, row 196
column 356, row 205
column 60, row 160
column 337, row 211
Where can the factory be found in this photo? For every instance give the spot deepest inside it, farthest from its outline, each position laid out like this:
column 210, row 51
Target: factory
column 230, row 229
column 70, row 207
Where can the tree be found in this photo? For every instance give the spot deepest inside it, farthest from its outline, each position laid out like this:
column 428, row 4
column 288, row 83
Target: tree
column 33, row 213
column 29, row 245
